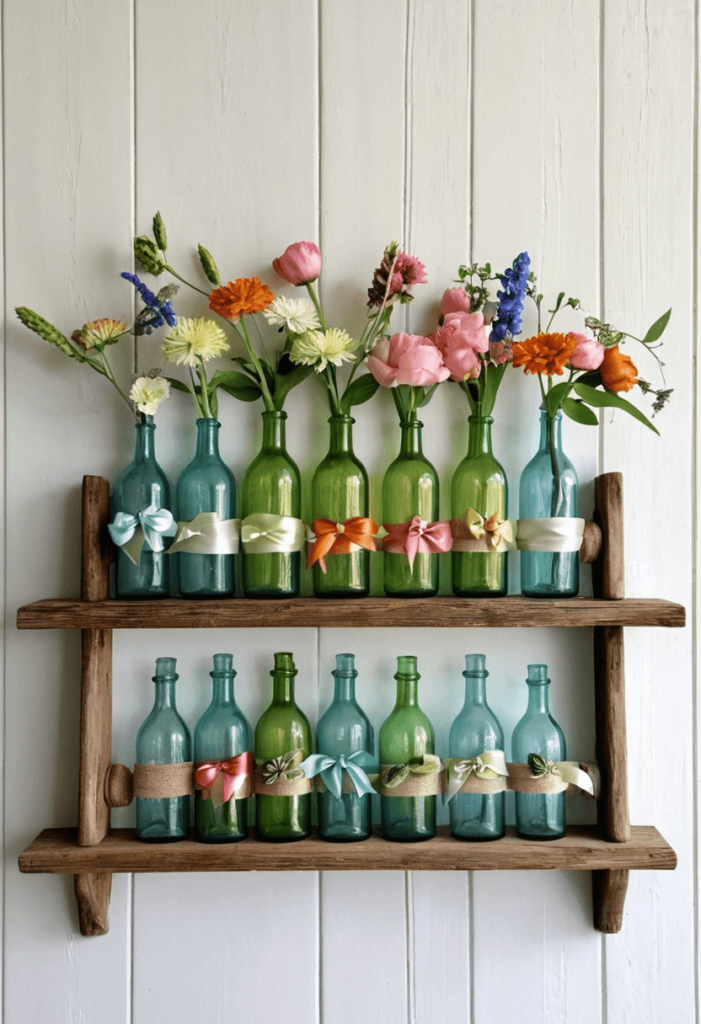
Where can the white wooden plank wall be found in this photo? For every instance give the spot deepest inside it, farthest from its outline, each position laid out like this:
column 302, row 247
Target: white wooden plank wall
column 466, row 130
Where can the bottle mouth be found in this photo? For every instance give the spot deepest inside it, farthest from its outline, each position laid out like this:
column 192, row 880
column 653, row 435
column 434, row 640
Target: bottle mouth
column 273, row 414
column 165, row 670
column 342, row 418
column 283, row 661
column 208, row 419
column 538, row 675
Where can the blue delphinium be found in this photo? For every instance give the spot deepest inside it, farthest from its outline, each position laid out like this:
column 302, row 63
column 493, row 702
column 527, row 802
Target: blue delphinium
column 507, row 319
column 159, row 308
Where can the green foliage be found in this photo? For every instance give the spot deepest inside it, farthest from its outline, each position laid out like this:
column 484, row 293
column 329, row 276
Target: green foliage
column 159, row 233
column 147, row 255
column 657, row 329
column 209, row 266
column 47, row 331
column 578, row 411
column 359, row 391
column 606, row 400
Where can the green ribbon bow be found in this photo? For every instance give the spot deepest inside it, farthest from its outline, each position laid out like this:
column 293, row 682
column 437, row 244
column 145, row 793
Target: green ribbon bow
column 490, row 764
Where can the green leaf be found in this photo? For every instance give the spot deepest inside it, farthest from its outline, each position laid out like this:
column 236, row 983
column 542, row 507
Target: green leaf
column 358, row 391
column 537, row 764
column 428, row 395
column 592, row 378
column 605, row 399
column 556, row 396
column 396, row 777
column 283, row 385
column 578, row 411
column 178, row 385
column 657, row 329
column 251, row 393
column 159, row 232
column 213, row 400
column 231, row 378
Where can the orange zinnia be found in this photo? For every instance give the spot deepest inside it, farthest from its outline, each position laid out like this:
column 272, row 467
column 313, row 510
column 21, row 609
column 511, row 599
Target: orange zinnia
column 544, row 353
column 618, row 371
column 245, row 295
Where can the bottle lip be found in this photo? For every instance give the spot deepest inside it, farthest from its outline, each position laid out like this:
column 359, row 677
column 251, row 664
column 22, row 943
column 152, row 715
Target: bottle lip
column 538, row 675
column 274, row 414
column 290, row 671
column 208, row 419
column 147, row 421
column 165, row 670
column 229, row 670
column 340, row 418
column 405, row 424
column 409, row 670
column 345, row 673
column 475, row 418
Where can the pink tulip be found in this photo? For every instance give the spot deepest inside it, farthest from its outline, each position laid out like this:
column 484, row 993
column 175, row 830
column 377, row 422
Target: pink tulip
column 455, row 301
column 588, row 355
column 406, row 359
column 300, row 263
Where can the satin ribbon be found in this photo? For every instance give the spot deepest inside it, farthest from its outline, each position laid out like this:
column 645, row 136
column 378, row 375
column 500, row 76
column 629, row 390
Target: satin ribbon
column 331, row 770
column 556, row 533
column 234, row 773
column 417, row 537
column 147, row 527
column 337, row 538
column 264, row 533
column 476, row 532
column 567, row 772
column 207, row 534
column 424, row 779
column 489, row 765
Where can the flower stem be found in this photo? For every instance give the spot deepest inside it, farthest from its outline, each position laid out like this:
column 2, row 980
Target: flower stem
column 188, row 283
column 204, row 393
column 111, row 378
column 317, row 305
column 267, row 397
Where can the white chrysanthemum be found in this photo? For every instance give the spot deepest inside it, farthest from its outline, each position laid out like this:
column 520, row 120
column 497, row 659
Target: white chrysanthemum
column 147, row 393
column 192, row 340
column 333, row 346
column 297, row 315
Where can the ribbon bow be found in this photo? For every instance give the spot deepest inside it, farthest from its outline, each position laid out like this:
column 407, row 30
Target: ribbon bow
column 417, row 536
column 336, row 538
column 207, row 534
column 234, row 773
column 331, row 770
column 494, row 529
column 266, row 533
column 568, row 771
column 148, row 526
column 490, row 764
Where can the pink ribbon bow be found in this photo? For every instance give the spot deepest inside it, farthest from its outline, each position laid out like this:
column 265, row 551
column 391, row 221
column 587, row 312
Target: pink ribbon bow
column 417, row 537
column 234, row 772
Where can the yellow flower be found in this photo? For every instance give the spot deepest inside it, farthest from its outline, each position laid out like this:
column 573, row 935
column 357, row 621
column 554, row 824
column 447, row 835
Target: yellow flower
column 98, row 333
column 323, row 347
column 147, row 393
column 193, row 340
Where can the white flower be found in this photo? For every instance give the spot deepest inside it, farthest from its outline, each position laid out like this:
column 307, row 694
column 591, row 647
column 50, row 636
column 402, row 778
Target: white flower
column 297, row 315
column 333, row 346
column 147, row 393
column 192, row 340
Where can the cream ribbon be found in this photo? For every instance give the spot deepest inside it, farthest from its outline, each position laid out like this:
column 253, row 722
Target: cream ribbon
column 264, row 533
column 557, row 533
column 425, row 779
column 558, row 777
column 485, row 773
column 207, row 534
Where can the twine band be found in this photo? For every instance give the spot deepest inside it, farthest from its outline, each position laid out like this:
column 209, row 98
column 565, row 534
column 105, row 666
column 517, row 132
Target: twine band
column 162, row 781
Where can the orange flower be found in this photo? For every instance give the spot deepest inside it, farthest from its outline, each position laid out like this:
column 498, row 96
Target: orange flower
column 618, row 372
column 544, row 353
column 245, row 295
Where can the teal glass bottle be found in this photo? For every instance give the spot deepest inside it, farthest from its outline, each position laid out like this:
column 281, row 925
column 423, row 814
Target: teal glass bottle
column 479, row 482
column 141, row 484
column 222, row 733
column 410, row 488
column 272, row 485
column 163, row 739
column 344, row 730
column 480, row 816
column 283, row 727
column 549, row 487
column 340, row 492
column 404, row 738
column 539, row 816
column 206, row 485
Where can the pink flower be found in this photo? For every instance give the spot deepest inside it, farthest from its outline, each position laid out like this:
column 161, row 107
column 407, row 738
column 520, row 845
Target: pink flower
column 455, row 301
column 406, row 359
column 500, row 352
column 300, row 263
column 407, row 271
column 588, row 355
column 460, row 338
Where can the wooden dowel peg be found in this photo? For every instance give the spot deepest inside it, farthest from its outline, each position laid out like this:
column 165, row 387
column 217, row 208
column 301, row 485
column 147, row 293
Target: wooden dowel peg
column 591, row 543
column 119, row 786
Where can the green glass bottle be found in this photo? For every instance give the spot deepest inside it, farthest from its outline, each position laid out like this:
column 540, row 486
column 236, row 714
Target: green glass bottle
column 283, row 728
column 404, row 738
column 479, row 482
column 272, row 485
column 410, row 488
column 340, row 492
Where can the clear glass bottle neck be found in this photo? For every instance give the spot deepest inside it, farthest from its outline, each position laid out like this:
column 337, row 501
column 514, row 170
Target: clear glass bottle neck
column 538, row 698
column 343, row 688
column 273, row 431
column 550, row 431
column 479, row 440
column 341, row 435
column 223, row 689
column 411, row 443
column 165, row 694
column 283, row 688
column 145, row 450
column 475, row 689
column 407, row 691
column 208, row 438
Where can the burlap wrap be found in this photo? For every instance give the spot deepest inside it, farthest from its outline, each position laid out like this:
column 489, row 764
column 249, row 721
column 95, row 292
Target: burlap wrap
column 473, row 784
column 282, row 787
column 522, row 780
column 413, row 785
column 160, row 781
column 347, row 785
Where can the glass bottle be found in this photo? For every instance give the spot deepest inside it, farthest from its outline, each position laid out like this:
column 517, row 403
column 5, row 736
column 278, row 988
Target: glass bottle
column 405, row 737
column 549, row 487
column 476, row 816
column 340, row 492
column 479, row 482
column 541, row 815
column 272, row 484
column 410, row 488
column 222, row 732
column 141, row 484
column 345, row 729
column 206, row 485
column 283, row 727
column 163, row 739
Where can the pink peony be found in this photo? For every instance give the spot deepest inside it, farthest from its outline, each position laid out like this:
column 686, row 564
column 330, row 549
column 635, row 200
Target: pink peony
column 588, row 355
column 455, row 301
column 460, row 338
column 500, row 352
column 406, row 359
column 300, row 263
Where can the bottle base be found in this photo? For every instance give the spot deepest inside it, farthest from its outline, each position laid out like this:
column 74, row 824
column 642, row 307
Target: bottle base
column 345, row 839
column 477, row 839
column 549, row 592
column 281, row 839
column 342, row 594
column 271, row 595
column 411, row 593
column 161, row 839
column 219, row 840
column 407, row 839
column 540, row 837
column 206, row 597
column 457, row 592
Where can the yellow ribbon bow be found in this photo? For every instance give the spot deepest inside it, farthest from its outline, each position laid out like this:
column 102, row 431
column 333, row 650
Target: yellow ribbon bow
column 494, row 529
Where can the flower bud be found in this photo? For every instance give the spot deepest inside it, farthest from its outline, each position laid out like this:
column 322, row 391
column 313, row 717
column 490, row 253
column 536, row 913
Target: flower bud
column 159, row 233
column 148, row 256
column 46, row 331
column 209, row 267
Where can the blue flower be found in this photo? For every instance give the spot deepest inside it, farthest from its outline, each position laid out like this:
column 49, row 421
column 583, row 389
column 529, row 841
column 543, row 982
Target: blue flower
column 148, row 297
column 508, row 317
column 162, row 312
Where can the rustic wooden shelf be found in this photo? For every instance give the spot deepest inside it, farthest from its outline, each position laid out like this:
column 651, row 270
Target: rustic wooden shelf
column 373, row 612
column 56, row 850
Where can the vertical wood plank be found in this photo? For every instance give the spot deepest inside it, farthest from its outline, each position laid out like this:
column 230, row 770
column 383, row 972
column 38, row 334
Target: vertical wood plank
column 95, row 735
column 611, row 753
column 439, row 923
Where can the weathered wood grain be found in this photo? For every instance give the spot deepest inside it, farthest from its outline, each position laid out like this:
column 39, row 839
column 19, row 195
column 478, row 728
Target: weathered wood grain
column 611, row 751
column 95, row 734
column 96, row 546
column 609, row 570
column 610, row 888
column 92, row 892
column 119, row 786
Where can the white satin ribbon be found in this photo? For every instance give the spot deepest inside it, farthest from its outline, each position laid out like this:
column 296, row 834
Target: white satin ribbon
column 556, row 533
column 264, row 533
column 207, row 534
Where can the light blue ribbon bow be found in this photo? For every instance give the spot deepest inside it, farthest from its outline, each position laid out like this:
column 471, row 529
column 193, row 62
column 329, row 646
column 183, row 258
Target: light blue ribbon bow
column 331, row 770
column 148, row 526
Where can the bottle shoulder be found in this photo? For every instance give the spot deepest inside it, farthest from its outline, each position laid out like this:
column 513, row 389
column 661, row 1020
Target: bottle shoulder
column 207, row 471
column 478, row 721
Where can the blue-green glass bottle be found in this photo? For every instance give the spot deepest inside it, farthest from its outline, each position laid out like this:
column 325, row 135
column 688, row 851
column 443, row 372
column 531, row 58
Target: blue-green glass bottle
column 206, row 485
column 539, row 816
column 272, row 484
column 141, row 484
column 405, row 737
column 479, row 816
column 343, row 730
column 163, row 739
column 222, row 733
column 549, row 487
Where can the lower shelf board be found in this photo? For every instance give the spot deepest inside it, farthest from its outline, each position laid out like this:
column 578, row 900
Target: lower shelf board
column 56, row 850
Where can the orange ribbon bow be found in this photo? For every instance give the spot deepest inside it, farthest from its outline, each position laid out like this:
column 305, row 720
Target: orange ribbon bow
column 233, row 771
column 336, row 538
